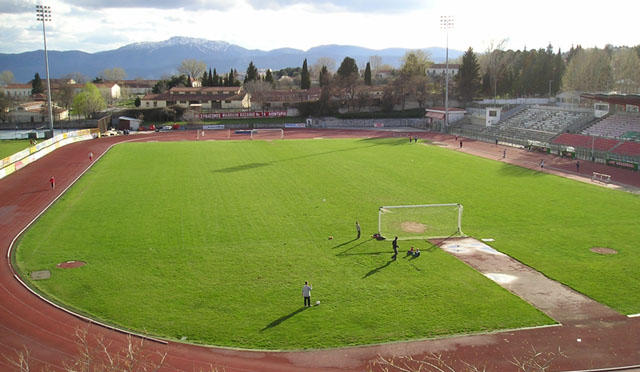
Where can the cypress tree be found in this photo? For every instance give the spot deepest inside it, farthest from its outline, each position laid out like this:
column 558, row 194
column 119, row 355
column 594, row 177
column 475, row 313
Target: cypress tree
column 205, row 79
column 215, row 80
column 367, row 74
column 324, row 76
column 469, row 76
column 252, row 73
column 269, row 77
column 305, row 78
column 36, row 85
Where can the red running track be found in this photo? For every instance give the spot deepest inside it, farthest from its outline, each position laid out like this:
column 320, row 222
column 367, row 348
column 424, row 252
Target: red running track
column 26, row 321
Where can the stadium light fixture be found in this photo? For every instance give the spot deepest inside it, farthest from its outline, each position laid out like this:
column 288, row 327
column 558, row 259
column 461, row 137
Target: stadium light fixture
column 43, row 13
column 446, row 23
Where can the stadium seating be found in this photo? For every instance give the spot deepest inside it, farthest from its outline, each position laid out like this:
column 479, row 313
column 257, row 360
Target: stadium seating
column 615, row 126
column 628, row 148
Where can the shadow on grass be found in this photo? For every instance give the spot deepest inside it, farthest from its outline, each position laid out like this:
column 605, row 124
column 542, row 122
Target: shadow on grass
column 345, row 243
column 512, row 170
column 258, row 165
column 241, row 167
column 374, row 271
column 283, row 318
column 344, row 253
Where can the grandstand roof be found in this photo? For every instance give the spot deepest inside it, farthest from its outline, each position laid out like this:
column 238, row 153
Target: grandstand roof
column 619, row 99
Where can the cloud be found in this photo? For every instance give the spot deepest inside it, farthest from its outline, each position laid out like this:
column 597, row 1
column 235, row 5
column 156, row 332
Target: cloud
column 17, row 6
column 358, row 6
column 157, row 4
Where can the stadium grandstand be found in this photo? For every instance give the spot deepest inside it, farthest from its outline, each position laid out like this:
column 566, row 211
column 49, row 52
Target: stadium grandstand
column 609, row 132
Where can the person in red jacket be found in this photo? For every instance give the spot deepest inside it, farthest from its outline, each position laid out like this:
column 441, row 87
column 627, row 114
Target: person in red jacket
column 52, row 181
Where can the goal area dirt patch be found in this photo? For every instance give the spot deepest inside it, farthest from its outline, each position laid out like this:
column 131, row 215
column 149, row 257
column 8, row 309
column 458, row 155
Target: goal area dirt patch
column 413, row 227
column 603, row 250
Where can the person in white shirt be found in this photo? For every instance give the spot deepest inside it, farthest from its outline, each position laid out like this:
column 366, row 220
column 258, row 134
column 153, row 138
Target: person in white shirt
column 306, row 293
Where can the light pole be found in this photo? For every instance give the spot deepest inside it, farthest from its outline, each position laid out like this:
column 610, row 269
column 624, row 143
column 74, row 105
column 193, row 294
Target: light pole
column 43, row 13
column 446, row 23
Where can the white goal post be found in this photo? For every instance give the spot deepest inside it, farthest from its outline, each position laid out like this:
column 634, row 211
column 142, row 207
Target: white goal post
column 426, row 221
column 267, row 133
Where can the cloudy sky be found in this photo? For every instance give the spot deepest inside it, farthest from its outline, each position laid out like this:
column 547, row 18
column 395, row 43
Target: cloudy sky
column 96, row 25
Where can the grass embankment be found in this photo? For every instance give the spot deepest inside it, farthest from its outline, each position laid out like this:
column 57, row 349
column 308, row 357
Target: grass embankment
column 215, row 242
column 10, row 147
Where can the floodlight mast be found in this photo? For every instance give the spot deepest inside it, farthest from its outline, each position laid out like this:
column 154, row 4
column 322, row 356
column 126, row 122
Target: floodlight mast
column 446, row 23
column 43, row 13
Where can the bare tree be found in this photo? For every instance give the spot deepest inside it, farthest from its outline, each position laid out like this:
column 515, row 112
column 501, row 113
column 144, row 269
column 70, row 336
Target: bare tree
column 114, row 74
column 626, row 70
column 192, row 67
column 6, row 77
column 78, row 77
column 257, row 89
column 589, row 71
column 495, row 60
column 376, row 63
column 326, row 61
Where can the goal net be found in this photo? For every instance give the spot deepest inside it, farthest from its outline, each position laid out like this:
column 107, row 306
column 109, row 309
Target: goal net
column 427, row 221
column 267, row 134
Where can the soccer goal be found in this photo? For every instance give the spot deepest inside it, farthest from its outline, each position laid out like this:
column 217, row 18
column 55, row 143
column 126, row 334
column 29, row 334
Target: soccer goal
column 267, row 134
column 426, row 221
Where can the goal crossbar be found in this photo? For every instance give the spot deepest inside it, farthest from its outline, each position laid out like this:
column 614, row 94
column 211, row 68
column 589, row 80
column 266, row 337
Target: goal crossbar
column 421, row 221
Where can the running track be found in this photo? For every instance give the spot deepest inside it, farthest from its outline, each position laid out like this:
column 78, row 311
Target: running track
column 48, row 333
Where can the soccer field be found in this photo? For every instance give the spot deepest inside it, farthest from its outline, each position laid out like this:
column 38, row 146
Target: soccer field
column 213, row 241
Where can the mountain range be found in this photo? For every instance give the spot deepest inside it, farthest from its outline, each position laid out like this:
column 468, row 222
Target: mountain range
column 154, row 60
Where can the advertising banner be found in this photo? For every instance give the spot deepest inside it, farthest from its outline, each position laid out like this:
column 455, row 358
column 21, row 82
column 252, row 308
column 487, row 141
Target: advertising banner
column 237, row 115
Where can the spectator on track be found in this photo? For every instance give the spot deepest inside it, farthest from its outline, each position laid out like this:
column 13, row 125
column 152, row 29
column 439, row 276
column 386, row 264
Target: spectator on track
column 578, row 166
column 542, row 164
column 52, row 181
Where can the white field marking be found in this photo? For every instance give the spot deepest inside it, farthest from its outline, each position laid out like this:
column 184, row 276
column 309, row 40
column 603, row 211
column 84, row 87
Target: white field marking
column 488, row 240
column 633, row 316
column 456, row 248
column 501, row 278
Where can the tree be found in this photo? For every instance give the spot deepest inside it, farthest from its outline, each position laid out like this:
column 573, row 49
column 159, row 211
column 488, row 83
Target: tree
column 64, row 96
column 205, row 79
column 469, row 76
column 36, row 85
column 324, row 77
column 589, row 71
column 367, row 74
column 626, row 70
column 78, row 77
column 6, row 77
column 114, row 74
column 5, row 104
column 192, row 68
column 256, row 90
column 89, row 102
column 415, row 63
column 329, row 62
column 215, row 79
column 305, row 78
column 252, row 73
column 376, row 63
column 137, row 102
column 269, row 77
column 347, row 78
column 495, row 61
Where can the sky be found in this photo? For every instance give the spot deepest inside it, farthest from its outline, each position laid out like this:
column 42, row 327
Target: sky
column 97, row 25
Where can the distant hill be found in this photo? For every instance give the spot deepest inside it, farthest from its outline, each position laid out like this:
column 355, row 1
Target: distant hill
column 152, row 60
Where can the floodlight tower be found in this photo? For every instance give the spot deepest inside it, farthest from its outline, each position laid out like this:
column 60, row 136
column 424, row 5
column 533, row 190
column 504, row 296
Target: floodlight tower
column 43, row 13
column 446, row 23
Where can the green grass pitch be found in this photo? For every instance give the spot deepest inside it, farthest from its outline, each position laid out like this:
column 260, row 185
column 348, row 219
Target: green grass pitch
column 213, row 241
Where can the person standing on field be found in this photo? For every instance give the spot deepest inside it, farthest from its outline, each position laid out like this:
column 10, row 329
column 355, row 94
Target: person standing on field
column 52, row 181
column 578, row 166
column 394, row 244
column 90, row 156
column 306, row 294
column 358, row 229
